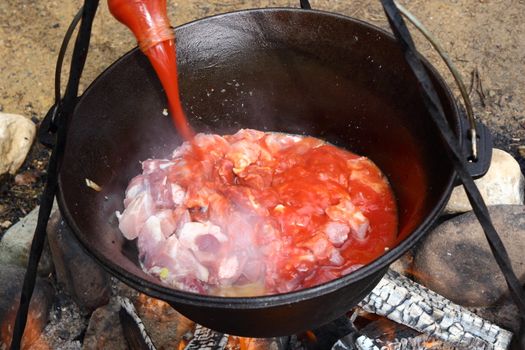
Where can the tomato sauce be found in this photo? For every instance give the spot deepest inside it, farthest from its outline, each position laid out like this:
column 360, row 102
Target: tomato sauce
column 290, row 188
column 258, row 213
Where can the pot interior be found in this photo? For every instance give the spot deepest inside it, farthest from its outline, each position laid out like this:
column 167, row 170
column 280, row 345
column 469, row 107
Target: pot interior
column 292, row 71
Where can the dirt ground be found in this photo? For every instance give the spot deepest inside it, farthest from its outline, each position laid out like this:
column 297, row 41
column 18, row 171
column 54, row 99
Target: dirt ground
column 483, row 38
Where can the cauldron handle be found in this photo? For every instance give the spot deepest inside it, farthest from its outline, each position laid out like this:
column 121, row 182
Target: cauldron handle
column 476, row 141
column 479, row 166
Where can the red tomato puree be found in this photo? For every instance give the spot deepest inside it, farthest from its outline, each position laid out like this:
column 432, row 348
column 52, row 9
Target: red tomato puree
column 258, row 213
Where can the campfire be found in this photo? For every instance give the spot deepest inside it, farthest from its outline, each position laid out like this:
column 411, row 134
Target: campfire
column 398, row 314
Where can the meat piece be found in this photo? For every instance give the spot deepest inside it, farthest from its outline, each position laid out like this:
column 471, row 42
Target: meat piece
column 253, row 269
column 181, row 215
column 199, row 196
column 150, row 240
column 181, row 151
column 359, row 224
column 276, row 142
column 229, row 270
column 257, row 177
column 319, row 245
column 219, row 211
column 246, row 199
column 203, row 239
column 246, row 134
column 206, row 242
column 168, row 222
column 214, row 145
column 137, row 185
column 243, row 153
column 182, row 172
column 336, row 258
column 224, row 171
column 337, row 232
column 179, row 261
column 346, row 212
column 161, row 193
column 150, row 166
column 137, row 212
column 177, row 194
column 365, row 172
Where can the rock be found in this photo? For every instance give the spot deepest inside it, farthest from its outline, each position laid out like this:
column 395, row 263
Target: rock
column 455, row 259
column 77, row 273
column 502, row 184
column 15, row 244
column 16, row 137
column 164, row 325
column 105, row 330
column 11, row 279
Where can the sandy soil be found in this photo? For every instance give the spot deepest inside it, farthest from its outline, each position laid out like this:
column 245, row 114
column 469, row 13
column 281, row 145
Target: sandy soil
column 482, row 37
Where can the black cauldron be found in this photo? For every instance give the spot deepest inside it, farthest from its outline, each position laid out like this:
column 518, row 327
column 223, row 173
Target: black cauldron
column 284, row 70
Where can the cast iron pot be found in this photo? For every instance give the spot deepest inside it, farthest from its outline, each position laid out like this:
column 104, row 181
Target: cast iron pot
column 285, row 70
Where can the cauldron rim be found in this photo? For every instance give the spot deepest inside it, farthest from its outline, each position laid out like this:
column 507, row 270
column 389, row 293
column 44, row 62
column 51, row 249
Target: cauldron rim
column 265, row 301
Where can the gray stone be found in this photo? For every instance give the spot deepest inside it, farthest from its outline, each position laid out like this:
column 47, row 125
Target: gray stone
column 455, row 259
column 77, row 273
column 11, row 279
column 502, row 184
column 105, row 330
column 15, row 244
column 16, row 137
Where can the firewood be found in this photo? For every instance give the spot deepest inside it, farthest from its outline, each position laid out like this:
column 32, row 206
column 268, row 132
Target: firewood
column 404, row 301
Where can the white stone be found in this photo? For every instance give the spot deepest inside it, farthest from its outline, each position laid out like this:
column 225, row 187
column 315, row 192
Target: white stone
column 502, row 184
column 16, row 137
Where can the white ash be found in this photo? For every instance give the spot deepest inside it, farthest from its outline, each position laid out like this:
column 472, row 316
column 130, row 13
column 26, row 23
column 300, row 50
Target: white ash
column 66, row 325
column 404, row 301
